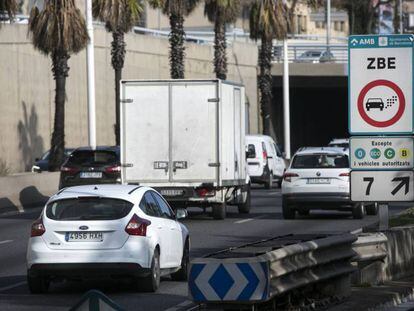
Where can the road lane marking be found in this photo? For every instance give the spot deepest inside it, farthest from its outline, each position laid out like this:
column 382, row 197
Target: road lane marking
column 2, row 289
column 181, row 305
column 243, row 221
column 5, row 241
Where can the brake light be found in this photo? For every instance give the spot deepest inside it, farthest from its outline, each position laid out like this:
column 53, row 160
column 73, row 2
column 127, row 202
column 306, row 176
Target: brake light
column 137, row 226
column 205, row 192
column 264, row 155
column 344, row 175
column 69, row 170
column 288, row 176
column 113, row 169
column 37, row 228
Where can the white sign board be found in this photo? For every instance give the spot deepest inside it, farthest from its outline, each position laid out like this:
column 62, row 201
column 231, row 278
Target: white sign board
column 384, row 153
column 382, row 186
column 380, row 84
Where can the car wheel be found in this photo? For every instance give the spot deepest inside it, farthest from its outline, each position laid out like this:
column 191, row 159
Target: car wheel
column 287, row 211
column 372, row 209
column 244, row 208
column 151, row 282
column 37, row 284
column 269, row 183
column 219, row 210
column 358, row 211
column 182, row 274
column 304, row 212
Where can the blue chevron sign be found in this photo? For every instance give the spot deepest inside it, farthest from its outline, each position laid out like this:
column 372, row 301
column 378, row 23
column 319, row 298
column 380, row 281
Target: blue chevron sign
column 226, row 282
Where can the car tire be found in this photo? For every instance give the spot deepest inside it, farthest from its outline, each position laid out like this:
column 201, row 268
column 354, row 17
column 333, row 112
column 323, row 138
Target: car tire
column 372, row 209
column 182, row 274
column 269, row 183
column 304, row 212
column 358, row 211
column 37, row 284
column 219, row 211
column 287, row 211
column 151, row 282
column 244, row 208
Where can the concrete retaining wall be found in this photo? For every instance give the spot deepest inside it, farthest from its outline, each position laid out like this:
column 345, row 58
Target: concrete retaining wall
column 23, row 191
column 27, row 88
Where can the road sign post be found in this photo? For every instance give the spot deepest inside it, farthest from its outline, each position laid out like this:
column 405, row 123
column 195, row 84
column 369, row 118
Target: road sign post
column 381, row 106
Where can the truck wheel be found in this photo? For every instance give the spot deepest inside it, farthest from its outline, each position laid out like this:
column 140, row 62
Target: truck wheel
column 287, row 211
column 219, row 210
column 269, row 183
column 358, row 211
column 372, row 209
column 244, row 208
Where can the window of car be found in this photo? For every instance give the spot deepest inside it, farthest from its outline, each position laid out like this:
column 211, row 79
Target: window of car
column 307, row 161
column 93, row 157
column 166, row 211
column 88, row 208
column 278, row 152
column 149, row 205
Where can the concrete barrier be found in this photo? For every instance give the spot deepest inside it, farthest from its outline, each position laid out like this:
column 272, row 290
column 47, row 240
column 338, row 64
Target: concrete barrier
column 24, row 191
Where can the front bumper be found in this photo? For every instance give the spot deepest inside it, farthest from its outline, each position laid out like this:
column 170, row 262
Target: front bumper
column 88, row 270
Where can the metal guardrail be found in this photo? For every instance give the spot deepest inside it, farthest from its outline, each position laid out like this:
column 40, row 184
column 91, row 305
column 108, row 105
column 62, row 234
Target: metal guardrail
column 259, row 271
column 370, row 247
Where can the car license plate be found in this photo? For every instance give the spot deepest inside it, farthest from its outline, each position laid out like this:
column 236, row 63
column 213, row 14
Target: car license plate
column 319, row 181
column 172, row 192
column 84, row 237
column 91, row 175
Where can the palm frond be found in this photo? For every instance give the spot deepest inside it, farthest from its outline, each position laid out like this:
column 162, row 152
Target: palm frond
column 268, row 19
column 228, row 10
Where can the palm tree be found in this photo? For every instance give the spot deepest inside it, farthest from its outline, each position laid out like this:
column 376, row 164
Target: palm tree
column 9, row 7
column 267, row 22
column 221, row 12
column 176, row 11
column 119, row 17
column 59, row 30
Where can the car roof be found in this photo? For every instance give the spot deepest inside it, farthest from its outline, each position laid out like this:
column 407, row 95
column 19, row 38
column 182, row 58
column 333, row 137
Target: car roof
column 339, row 140
column 118, row 191
column 324, row 150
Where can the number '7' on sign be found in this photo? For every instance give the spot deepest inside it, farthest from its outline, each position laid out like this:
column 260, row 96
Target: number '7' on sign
column 382, row 186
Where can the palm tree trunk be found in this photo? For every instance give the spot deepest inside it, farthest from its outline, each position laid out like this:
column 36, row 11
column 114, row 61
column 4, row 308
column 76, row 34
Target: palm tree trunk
column 177, row 46
column 118, row 59
column 220, row 57
column 60, row 71
column 265, row 82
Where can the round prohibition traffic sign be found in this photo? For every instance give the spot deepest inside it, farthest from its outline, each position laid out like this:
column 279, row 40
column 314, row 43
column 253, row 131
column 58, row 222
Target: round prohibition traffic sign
column 401, row 103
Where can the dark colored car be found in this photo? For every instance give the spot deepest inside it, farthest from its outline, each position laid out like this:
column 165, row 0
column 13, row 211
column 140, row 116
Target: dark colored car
column 374, row 103
column 42, row 164
column 86, row 166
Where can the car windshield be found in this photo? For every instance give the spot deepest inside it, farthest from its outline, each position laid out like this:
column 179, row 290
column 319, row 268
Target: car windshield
column 320, row 161
column 89, row 157
column 88, row 208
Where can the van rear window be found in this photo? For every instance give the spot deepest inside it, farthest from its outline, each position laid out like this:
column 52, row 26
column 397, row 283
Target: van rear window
column 321, row 161
column 88, row 208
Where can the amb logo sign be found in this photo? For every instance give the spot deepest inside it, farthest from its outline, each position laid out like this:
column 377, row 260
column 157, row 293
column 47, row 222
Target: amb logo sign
column 380, row 84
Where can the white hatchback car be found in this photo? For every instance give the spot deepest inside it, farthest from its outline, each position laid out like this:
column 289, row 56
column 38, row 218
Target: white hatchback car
column 98, row 231
column 318, row 178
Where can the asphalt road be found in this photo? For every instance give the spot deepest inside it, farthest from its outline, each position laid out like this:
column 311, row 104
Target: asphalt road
column 207, row 235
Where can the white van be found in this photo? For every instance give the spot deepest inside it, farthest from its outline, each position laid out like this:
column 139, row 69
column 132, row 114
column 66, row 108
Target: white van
column 265, row 162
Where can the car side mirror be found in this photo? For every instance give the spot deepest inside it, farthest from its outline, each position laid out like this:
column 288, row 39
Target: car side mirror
column 251, row 152
column 181, row 213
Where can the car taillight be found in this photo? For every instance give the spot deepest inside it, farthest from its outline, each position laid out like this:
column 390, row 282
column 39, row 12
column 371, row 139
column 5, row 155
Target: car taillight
column 344, row 175
column 137, row 226
column 69, row 170
column 205, row 192
column 37, row 228
column 113, row 169
column 288, row 176
column 264, row 155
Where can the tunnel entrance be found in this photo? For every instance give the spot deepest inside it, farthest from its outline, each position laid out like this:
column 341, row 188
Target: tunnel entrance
column 318, row 110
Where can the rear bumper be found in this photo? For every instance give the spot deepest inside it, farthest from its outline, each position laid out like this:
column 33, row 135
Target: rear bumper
column 261, row 178
column 334, row 197
column 88, row 270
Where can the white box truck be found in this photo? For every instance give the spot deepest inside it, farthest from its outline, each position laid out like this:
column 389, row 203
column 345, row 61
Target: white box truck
column 186, row 139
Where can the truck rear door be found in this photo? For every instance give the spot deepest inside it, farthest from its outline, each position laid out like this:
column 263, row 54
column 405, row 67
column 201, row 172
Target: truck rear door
column 194, row 139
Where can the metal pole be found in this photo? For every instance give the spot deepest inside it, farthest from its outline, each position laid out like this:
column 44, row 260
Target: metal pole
column 383, row 216
column 328, row 27
column 286, row 104
column 401, row 17
column 90, row 65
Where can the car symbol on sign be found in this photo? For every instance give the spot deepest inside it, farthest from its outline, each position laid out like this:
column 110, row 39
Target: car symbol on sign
column 374, row 103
